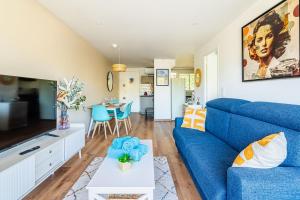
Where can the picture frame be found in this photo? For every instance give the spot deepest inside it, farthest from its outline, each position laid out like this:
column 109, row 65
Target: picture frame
column 270, row 44
column 162, row 77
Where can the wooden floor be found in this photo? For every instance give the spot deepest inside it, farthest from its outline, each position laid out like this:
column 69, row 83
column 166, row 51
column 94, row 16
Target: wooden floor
column 56, row 186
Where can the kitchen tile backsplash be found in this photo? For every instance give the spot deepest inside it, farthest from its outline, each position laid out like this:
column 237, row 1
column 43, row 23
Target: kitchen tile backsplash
column 146, row 88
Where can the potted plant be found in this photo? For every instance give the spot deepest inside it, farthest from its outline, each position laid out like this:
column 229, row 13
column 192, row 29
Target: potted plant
column 125, row 162
column 69, row 97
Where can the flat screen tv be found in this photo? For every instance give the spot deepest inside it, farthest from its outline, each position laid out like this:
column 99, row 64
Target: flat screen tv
column 27, row 109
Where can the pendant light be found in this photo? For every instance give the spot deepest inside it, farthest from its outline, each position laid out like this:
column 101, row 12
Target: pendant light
column 119, row 67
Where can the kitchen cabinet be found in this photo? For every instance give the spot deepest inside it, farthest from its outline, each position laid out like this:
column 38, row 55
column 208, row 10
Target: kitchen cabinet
column 146, row 102
column 147, row 79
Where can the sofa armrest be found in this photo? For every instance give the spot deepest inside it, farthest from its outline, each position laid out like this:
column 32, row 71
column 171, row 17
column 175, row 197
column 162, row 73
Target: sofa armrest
column 275, row 183
column 178, row 121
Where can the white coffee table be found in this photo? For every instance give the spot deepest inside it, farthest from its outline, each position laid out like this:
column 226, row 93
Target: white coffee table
column 109, row 179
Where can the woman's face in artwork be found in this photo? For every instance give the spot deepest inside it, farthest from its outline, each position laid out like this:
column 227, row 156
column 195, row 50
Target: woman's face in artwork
column 264, row 41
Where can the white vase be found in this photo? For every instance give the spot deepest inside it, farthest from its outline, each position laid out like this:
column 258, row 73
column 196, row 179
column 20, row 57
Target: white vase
column 125, row 166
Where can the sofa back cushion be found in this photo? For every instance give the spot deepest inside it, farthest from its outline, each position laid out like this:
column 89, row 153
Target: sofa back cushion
column 244, row 130
column 285, row 115
column 217, row 122
column 218, row 115
column 226, row 104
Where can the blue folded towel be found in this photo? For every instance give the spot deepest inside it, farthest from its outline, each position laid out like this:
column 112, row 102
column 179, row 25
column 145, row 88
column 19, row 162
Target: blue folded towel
column 118, row 142
column 135, row 154
column 135, row 141
column 142, row 148
column 128, row 145
column 114, row 153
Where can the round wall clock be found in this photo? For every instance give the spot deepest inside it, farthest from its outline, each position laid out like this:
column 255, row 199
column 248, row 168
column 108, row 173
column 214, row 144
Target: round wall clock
column 198, row 77
column 7, row 80
column 110, row 81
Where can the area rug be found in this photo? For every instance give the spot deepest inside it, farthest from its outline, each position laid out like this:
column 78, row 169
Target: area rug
column 164, row 184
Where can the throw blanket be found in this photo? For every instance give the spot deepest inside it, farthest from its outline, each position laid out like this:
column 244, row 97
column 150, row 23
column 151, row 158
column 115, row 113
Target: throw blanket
column 127, row 145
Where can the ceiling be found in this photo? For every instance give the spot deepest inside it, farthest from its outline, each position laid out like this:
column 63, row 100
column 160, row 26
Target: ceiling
column 146, row 29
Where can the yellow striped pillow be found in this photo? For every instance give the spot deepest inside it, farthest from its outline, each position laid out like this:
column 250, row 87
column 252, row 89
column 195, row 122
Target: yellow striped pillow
column 194, row 118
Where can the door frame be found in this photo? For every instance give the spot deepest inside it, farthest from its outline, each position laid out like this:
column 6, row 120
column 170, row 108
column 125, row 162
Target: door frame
column 206, row 73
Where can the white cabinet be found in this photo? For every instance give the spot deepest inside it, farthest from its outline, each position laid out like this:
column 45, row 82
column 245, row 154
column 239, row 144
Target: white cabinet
column 19, row 174
column 17, row 180
column 49, row 159
column 74, row 143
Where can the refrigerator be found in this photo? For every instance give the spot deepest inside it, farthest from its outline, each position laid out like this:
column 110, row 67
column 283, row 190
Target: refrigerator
column 178, row 97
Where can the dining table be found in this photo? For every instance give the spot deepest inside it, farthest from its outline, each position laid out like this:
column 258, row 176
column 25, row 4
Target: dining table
column 109, row 106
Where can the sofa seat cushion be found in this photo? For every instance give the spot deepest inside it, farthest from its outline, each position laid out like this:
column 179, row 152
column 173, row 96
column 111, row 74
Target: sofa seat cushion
column 208, row 159
column 186, row 136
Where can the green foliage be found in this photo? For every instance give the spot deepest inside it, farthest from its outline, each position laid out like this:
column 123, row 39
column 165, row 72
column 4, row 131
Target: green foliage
column 124, row 158
column 70, row 94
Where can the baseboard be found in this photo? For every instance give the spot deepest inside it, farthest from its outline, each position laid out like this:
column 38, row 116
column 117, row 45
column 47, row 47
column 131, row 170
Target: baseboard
column 162, row 120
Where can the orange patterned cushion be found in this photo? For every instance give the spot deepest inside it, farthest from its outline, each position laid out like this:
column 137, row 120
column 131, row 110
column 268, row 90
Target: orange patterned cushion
column 268, row 152
column 194, row 118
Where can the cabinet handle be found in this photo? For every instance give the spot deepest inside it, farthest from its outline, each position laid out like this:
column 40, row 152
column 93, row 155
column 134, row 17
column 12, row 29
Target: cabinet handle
column 50, row 151
column 50, row 164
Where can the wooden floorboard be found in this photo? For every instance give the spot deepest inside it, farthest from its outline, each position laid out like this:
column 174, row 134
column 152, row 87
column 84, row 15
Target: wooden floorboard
column 56, row 186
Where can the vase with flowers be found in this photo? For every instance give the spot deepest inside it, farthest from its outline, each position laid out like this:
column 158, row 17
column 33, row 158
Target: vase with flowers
column 69, row 96
column 124, row 162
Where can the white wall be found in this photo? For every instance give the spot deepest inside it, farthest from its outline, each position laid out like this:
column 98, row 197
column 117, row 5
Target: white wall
column 228, row 43
column 130, row 91
column 211, row 67
column 162, row 94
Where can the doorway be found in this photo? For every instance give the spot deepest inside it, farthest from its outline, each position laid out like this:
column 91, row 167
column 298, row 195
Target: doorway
column 211, row 76
column 129, row 85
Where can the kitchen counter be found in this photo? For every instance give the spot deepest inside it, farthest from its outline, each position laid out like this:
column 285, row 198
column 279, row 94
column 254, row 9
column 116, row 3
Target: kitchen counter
column 147, row 96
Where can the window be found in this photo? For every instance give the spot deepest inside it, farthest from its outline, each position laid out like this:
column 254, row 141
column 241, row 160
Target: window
column 173, row 74
column 192, row 81
column 189, row 80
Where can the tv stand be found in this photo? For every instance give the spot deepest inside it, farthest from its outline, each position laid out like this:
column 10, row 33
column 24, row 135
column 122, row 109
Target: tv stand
column 51, row 135
column 20, row 174
column 29, row 150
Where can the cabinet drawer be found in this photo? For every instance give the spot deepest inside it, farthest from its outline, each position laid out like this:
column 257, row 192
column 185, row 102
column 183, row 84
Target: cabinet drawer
column 47, row 165
column 49, row 151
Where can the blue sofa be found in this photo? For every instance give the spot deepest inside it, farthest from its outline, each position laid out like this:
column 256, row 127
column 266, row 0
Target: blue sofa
column 232, row 124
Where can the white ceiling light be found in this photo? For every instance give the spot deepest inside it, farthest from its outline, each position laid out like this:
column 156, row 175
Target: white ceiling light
column 114, row 45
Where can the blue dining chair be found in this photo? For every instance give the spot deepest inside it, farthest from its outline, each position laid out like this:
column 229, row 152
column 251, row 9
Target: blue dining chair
column 129, row 120
column 123, row 116
column 113, row 101
column 101, row 117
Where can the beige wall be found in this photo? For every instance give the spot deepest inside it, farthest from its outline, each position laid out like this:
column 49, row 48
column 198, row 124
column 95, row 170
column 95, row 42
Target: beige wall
column 34, row 43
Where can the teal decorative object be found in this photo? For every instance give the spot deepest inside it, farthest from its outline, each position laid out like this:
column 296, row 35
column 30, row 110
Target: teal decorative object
column 129, row 146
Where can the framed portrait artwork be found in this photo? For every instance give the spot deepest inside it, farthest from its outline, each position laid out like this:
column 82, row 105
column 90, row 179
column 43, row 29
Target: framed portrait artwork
column 162, row 77
column 270, row 44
